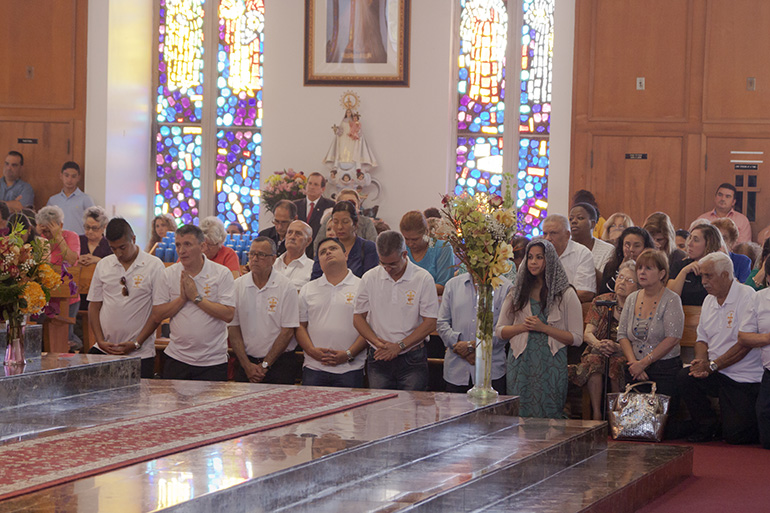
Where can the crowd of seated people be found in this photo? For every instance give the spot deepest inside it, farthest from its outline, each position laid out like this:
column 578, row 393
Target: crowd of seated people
column 360, row 300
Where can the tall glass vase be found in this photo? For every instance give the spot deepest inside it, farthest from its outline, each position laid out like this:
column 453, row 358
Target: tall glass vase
column 14, row 350
column 482, row 392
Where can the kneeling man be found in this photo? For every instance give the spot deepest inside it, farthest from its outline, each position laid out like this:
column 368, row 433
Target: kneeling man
column 722, row 368
column 334, row 351
column 396, row 310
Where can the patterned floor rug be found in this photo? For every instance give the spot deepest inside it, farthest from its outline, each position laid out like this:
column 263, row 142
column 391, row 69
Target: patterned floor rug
column 43, row 462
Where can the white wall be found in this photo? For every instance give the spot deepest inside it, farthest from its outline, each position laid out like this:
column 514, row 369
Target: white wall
column 409, row 129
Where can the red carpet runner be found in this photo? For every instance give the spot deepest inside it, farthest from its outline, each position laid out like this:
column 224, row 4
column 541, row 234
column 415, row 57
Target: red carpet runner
column 39, row 463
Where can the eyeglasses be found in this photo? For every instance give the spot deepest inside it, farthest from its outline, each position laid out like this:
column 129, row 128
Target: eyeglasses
column 125, row 288
column 259, row 254
column 627, row 280
column 92, row 228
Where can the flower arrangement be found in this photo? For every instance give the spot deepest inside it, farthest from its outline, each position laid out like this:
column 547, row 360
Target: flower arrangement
column 479, row 229
column 286, row 184
column 26, row 280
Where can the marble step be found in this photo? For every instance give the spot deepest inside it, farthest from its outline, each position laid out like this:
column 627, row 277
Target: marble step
column 33, row 340
column 620, row 479
column 399, row 471
column 55, row 376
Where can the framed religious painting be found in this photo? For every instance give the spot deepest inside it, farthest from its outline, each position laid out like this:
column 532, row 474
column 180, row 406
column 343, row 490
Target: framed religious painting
column 357, row 42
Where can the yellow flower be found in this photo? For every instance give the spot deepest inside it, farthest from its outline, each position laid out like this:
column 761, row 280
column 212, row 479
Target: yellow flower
column 34, row 296
column 504, row 217
column 48, row 277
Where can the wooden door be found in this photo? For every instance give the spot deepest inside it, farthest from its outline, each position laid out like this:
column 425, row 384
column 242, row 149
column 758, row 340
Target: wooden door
column 45, row 146
column 637, row 175
column 744, row 163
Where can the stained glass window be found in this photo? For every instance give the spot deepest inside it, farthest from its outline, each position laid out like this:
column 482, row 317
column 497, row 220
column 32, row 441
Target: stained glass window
column 481, row 90
column 481, row 106
column 239, row 104
column 534, row 114
column 190, row 160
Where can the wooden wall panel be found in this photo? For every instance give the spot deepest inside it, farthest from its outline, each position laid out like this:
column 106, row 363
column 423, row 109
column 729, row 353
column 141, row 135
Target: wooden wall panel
column 38, row 53
column 639, row 38
column 638, row 187
column 738, row 47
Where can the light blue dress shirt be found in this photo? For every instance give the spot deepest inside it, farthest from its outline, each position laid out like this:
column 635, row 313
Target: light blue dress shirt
column 456, row 321
column 438, row 261
column 74, row 206
column 19, row 188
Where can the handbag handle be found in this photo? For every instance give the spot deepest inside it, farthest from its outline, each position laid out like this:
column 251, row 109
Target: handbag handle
column 630, row 387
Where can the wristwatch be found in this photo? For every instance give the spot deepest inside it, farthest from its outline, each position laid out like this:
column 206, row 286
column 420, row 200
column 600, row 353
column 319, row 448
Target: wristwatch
column 265, row 365
column 350, row 355
column 137, row 345
column 401, row 345
column 713, row 367
column 198, row 299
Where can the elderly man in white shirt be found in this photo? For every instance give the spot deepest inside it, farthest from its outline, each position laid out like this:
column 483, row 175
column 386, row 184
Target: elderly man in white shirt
column 396, row 310
column 334, row 351
column 577, row 259
column 722, row 368
column 266, row 314
column 295, row 264
column 197, row 295
column 120, row 298
column 457, row 328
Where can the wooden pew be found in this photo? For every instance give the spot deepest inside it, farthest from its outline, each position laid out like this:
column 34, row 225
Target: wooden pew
column 56, row 330
column 691, row 320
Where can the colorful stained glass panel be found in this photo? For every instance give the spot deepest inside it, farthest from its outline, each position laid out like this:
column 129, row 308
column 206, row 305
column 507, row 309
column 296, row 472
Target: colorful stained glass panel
column 532, row 194
column 178, row 172
column 239, row 154
column 239, row 63
column 180, row 61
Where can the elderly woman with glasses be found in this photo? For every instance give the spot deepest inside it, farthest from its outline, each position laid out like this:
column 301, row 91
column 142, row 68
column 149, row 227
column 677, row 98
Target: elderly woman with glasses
column 213, row 245
column 93, row 245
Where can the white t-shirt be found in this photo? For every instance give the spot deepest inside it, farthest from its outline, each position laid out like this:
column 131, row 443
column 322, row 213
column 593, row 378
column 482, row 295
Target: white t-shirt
column 397, row 308
column 718, row 328
column 579, row 265
column 328, row 311
column 261, row 313
column 298, row 271
column 758, row 321
column 602, row 253
column 197, row 338
column 123, row 317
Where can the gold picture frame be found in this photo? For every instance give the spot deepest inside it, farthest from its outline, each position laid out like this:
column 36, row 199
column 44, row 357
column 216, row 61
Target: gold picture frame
column 357, row 42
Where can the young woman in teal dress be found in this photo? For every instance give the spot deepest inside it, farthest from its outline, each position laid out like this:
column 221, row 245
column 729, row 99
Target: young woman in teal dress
column 541, row 316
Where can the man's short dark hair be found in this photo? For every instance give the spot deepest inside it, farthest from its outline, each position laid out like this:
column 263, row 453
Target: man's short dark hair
column 727, row 186
column 390, row 242
column 190, row 229
column 262, row 238
column 5, row 212
column 316, row 173
column 432, row 212
column 17, row 154
column 70, row 165
column 118, row 228
column 288, row 205
column 331, row 239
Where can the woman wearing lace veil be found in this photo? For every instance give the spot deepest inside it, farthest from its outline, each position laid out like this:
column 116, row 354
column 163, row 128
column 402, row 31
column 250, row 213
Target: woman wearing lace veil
column 541, row 316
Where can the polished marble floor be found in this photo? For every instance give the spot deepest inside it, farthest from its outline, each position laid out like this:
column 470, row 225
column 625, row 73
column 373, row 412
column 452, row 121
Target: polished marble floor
column 180, row 477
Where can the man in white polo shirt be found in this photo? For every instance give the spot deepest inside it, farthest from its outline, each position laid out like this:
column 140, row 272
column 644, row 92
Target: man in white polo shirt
column 722, row 368
column 334, row 351
column 577, row 259
column 295, row 264
column 120, row 298
column 266, row 313
column 396, row 310
column 198, row 296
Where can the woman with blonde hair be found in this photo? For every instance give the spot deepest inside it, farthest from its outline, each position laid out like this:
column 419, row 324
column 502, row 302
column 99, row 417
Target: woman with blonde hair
column 662, row 231
column 615, row 226
column 685, row 278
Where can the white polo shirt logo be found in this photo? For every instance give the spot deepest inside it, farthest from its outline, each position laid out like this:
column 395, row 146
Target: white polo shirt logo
column 138, row 279
column 272, row 304
column 730, row 318
column 349, row 297
column 207, row 290
column 410, row 295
